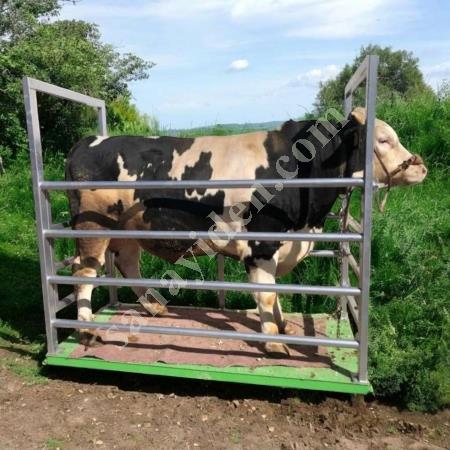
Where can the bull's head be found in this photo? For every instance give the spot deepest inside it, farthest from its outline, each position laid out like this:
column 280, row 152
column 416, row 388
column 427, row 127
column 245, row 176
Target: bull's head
column 393, row 165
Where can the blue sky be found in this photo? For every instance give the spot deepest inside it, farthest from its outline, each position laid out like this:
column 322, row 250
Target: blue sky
column 221, row 61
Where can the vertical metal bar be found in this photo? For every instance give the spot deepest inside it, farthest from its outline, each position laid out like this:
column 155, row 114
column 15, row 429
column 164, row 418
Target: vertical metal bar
column 102, row 129
column 221, row 277
column 348, row 104
column 111, row 272
column 344, row 249
column 371, row 93
column 344, row 246
column 109, row 256
column 43, row 216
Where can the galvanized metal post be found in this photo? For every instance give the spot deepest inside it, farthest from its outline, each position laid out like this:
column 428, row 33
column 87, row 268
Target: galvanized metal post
column 110, row 270
column 109, row 256
column 344, row 249
column 221, row 277
column 43, row 216
column 363, row 335
column 102, row 129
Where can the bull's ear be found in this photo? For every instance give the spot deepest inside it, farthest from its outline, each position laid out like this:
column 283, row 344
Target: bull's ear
column 359, row 114
column 291, row 129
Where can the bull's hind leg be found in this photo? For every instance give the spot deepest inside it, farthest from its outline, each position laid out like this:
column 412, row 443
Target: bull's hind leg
column 127, row 259
column 263, row 271
column 91, row 257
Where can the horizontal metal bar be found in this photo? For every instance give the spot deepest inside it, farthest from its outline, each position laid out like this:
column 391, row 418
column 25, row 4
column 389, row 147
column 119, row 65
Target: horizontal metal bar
column 65, row 302
column 206, row 235
column 205, row 285
column 201, row 184
column 67, row 94
column 324, row 253
column 196, row 332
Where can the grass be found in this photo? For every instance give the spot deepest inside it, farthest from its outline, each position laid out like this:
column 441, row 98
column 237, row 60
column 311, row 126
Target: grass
column 410, row 292
column 52, row 443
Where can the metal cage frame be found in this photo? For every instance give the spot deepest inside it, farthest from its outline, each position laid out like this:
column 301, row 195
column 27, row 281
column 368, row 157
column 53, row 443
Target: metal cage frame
column 353, row 299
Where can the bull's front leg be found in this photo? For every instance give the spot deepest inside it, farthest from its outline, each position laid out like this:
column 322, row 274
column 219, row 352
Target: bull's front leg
column 262, row 270
column 87, row 264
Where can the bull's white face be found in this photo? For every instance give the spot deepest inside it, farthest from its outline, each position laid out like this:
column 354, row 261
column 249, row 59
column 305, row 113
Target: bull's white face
column 388, row 148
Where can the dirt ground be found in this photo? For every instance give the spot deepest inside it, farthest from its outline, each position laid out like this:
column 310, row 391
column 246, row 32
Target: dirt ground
column 75, row 409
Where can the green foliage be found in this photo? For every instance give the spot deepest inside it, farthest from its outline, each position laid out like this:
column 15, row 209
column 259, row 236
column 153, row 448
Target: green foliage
column 124, row 118
column 423, row 123
column 68, row 54
column 19, row 17
column 398, row 74
column 410, row 309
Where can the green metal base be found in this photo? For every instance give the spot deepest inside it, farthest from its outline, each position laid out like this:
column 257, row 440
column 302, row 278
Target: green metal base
column 339, row 377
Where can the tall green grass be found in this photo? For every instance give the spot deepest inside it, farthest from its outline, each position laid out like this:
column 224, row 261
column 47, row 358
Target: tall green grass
column 410, row 293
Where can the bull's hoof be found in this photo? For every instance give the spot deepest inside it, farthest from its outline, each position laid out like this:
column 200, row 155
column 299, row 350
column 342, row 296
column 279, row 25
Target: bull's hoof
column 276, row 350
column 287, row 328
column 89, row 339
column 154, row 308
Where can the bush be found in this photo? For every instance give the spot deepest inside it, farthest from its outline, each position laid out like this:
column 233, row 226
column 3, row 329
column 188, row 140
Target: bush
column 423, row 122
column 410, row 307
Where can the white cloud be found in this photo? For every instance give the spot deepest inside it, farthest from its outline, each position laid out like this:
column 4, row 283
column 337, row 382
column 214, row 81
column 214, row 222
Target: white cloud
column 296, row 18
column 239, row 64
column 314, row 76
column 325, row 19
column 438, row 70
column 436, row 74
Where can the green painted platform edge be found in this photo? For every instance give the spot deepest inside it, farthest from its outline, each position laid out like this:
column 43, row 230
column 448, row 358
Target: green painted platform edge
column 204, row 373
column 322, row 379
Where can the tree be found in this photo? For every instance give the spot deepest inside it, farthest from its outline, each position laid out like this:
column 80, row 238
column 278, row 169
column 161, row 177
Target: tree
column 398, row 74
column 18, row 17
column 67, row 53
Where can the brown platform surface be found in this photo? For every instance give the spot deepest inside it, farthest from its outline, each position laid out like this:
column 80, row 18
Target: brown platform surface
column 149, row 348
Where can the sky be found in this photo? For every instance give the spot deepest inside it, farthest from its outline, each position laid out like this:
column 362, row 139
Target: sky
column 238, row 61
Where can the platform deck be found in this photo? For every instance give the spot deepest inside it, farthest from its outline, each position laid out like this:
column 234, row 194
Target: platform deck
column 317, row 368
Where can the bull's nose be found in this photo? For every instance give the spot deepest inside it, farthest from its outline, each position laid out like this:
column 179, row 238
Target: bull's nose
column 424, row 170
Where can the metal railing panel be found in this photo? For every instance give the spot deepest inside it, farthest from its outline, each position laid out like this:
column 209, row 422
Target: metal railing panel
column 367, row 72
column 47, row 233
column 41, row 199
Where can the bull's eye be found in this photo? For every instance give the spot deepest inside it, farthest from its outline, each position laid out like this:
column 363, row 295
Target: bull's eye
column 383, row 141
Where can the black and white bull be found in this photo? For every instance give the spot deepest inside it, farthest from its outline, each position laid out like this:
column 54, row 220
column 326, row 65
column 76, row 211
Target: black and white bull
column 257, row 155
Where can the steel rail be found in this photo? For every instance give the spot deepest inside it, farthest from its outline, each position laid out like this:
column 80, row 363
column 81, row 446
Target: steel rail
column 278, row 184
column 206, row 235
column 196, row 332
column 204, row 285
